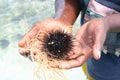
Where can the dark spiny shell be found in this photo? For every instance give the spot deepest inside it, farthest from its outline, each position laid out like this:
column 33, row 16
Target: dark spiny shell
column 57, row 44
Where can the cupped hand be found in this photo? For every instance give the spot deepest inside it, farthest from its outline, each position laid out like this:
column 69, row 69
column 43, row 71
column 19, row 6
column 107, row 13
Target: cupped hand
column 42, row 27
column 89, row 41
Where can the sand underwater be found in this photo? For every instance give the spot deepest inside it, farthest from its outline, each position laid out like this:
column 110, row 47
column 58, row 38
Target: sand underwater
column 16, row 18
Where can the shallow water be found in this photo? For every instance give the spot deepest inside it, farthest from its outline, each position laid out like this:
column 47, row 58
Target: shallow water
column 16, row 18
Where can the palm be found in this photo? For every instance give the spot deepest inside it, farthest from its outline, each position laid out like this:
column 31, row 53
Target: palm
column 89, row 41
column 42, row 27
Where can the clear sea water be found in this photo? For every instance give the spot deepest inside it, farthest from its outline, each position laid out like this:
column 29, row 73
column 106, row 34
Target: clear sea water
column 16, row 18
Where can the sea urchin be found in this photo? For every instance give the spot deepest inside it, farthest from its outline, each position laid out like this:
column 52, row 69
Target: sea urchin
column 57, row 44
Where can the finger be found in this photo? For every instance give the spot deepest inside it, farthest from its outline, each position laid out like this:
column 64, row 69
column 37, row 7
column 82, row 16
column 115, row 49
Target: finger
column 76, row 62
column 69, row 64
column 98, row 46
column 76, row 49
column 28, row 36
column 72, row 63
column 24, row 52
column 76, row 52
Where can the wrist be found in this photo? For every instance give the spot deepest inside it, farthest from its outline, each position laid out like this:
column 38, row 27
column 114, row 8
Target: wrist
column 64, row 21
column 59, row 22
column 105, row 24
column 67, row 11
column 112, row 22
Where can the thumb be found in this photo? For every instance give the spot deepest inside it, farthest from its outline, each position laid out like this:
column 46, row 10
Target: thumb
column 97, row 51
column 98, row 45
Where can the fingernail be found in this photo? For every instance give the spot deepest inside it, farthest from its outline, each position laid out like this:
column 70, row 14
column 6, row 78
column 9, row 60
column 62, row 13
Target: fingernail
column 99, row 54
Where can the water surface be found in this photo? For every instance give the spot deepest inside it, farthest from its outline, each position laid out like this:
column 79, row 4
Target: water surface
column 16, row 18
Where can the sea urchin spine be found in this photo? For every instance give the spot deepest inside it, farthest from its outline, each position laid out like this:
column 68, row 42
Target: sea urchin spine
column 57, row 44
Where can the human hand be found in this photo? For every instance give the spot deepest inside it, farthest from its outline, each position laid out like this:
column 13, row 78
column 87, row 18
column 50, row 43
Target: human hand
column 89, row 42
column 42, row 27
